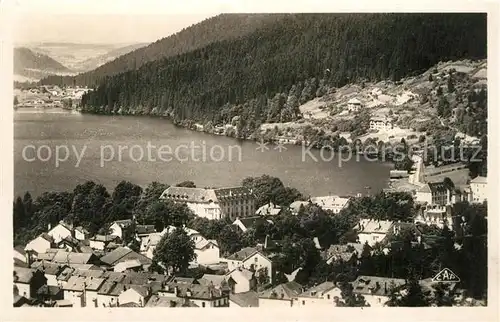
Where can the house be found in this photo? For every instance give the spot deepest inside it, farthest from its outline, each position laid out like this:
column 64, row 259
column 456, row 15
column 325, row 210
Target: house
column 81, row 233
column 222, row 282
column 137, row 294
column 332, row 203
column 74, row 291
column 49, row 293
column 27, row 281
column 214, row 203
column 479, row 189
column 434, row 193
column 148, row 244
column 381, row 123
column 100, row 242
column 324, row 294
column 376, row 290
column 167, row 301
column 61, row 231
column 372, row 231
column 207, row 252
column 244, row 280
column 20, row 255
column 353, row 105
column 203, row 296
column 144, row 230
column 297, row 205
column 68, row 258
column 348, row 253
column 50, row 270
column 107, row 295
column 251, row 259
column 69, row 244
column 40, row 244
column 132, row 264
column 122, row 254
column 250, row 222
column 122, row 229
column 282, row 295
column 269, row 209
column 92, row 286
column 434, row 215
column 246, row 299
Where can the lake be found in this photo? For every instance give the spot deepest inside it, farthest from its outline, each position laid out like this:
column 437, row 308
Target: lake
column 109, row 149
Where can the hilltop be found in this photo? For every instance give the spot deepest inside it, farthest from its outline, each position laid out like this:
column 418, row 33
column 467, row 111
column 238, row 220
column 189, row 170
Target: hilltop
column 32, row 65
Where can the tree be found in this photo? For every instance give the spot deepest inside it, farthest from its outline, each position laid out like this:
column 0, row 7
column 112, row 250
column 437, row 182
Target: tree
column 175, row 251
column 443, row 295
column 16, row 101
column 19, row 214
column 186, row 184
column 350, row 299
column 149, row 196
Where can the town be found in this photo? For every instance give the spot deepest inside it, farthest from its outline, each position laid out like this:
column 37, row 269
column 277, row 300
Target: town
column 49, row 96
column 258, row 245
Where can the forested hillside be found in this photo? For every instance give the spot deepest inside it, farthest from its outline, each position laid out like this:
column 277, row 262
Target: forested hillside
column 265, row 75
column 218, row 28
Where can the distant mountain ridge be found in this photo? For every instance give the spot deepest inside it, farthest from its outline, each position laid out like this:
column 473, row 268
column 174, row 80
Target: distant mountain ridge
column 35, row 65
column 215, row 29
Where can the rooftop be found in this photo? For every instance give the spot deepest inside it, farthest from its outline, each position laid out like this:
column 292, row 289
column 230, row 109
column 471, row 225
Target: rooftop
column 245, row 299
column 285, row 291
column 318, row 290
column 368, row 226
column 479, row 179
column 23, row 275
column 375, row 285
column 242, row 254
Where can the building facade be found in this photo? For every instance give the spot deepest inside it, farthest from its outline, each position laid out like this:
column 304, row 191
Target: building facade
column 381, row 123
column 479, row 189
column 214, row 203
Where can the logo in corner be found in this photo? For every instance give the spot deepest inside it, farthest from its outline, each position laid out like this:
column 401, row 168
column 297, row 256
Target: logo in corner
column 446, row 275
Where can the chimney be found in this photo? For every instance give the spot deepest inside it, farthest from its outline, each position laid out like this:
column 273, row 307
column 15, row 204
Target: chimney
column 266, row 241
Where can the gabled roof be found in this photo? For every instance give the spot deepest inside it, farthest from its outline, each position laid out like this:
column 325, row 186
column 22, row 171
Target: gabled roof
column 285, row 291
column 114, row 256
column 122, row 223
column 251, row 222
column 369, row 226
column 104, row 238
column 23, row 275
column 196, row 291
column 247, row 274
column 20, row 250
column 245, row 299
column 145, row 229
column 479, row 179
column 139, row 289
column 82, row 230
column 318, row 290
column 354, row 101
column 344, row 252
column 212, row 279
column 199, row 195
column 376, row 285
column 72, row 258
column 167, row 301
column 243, row 254
column 434, row 187
column 204, row 243
column 48, row 267
column 48, row 290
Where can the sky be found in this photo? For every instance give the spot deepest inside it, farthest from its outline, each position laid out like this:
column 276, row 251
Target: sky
column 99, row 28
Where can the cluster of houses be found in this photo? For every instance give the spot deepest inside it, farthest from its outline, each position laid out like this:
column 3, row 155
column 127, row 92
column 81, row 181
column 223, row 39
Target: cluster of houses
column 66, row 267
column 59, row 268
column 53, row 96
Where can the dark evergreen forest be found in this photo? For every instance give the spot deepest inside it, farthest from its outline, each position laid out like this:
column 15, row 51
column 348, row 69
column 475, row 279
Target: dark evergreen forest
column 302, row 53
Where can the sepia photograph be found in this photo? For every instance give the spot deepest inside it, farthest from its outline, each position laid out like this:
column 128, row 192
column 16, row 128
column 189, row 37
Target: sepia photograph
column 263, row 160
